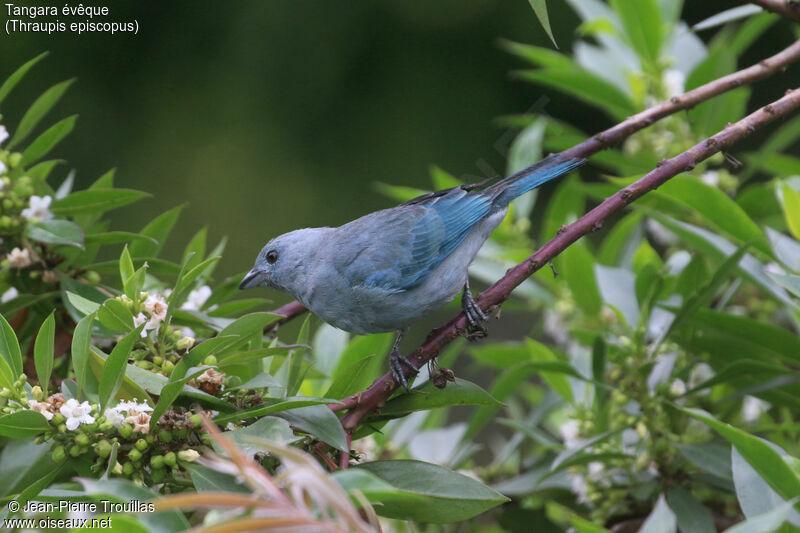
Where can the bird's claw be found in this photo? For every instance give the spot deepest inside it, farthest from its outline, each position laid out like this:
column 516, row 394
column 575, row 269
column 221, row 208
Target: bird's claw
column 396, row 362
column 476, row 317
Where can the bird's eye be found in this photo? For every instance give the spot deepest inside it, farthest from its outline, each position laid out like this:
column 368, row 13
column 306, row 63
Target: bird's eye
column 272, row 256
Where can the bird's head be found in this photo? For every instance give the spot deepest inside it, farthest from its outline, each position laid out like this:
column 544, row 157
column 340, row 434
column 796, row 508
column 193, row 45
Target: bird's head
column 282, row 263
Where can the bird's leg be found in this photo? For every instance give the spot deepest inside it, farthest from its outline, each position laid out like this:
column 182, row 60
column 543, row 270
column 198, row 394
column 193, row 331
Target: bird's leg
column 475, row 315
column 398, row 360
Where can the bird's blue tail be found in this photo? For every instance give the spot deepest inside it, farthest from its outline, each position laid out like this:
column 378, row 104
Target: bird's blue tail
column 523, row 181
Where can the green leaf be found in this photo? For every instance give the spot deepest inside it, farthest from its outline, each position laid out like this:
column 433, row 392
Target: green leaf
column 354, row 378
column 272, row 406
column 84, row 305
column 661, row 519
column 754, row 494
column 81, row 343
column 428, row 396
column 791, row 209
column 577, row 266
column 115, row 316
column 424, row 492
column 371, row 347
column 124, row 491
column 768, row 522
column 584, row 86
column 709, row 457
column 15, row 78
column 790, row 282
column 704, row 296
column 126, row 270
column 43, row 348
column 728, row 15
column 59, row 232
column 23, row 424
column 691, row 515
column 47, row 140
column 206, row 479
column 158, row 229
column 38, row 110
column 761, row 456
column 195, row 250
column 96, row 201
column 719, row 248
column 642, row 22
column 318, row 421
column 540, row 8
column 114, row 367
column 717, row 208
column 114, row 237
column 9, row 348
column 7, row 375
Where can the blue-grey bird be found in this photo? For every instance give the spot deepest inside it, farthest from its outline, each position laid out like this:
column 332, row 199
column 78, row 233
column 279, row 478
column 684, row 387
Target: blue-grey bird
column 386, row 270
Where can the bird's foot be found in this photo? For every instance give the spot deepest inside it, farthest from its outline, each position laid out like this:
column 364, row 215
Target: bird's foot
column 475, row 316
column 396, row 363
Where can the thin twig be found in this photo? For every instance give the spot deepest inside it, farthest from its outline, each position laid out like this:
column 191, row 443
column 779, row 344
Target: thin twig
column 787, row 8
column 362, row 404
column 631, row 125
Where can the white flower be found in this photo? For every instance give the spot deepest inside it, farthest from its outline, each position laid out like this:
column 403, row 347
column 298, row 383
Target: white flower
column 19, row 258
column 125, row 405
column 157, row 307
column 42, row 407
column 752, row 408
column 76, row 413
column 114, row 416
column 9, row 295
column 39, row 208
column 674, row 81
column 580, row 488
column 149, row 325
column 710, row 177
column 197, row 298
column 570, row 433
column 188, row 332
column 140, row 421
column 699, row 375
column 3, row 133
column 678, row 388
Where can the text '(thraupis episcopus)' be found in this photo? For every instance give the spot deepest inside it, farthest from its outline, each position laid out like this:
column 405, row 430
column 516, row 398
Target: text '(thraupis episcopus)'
column 67, row 18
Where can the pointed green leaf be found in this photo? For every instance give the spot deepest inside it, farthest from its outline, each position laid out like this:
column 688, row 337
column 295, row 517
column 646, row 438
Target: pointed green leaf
column 15, row 78
column 43, row 348
column 81, row 343
column 47, row 141
column 114, row 367
column 96, row 201
column 58, row 232
column 9, row 347
column 158, row 229
column 23, row 424
column 38, row 110
column 540, row 8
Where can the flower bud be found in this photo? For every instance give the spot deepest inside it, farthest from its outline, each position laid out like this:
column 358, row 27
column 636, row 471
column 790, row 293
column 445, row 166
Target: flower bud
column 196, row 419
column 188, row 456
column 135, row 455
column 128, row 469
column 170, row 459
column 167, row 366
column 159, row 475
column 210, row 360
column 37, row 393
column 82, row 439
column 14, row 159
column 157, row 461
column 93, row 277
column 58, row 454
column 125, row 431
column 141, row 445
column 165, row 436
column 184, row 343
column 75, row 450
column 103, row 448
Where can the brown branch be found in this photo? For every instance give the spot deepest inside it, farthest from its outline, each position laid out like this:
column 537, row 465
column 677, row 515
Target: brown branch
column 631, row 125
column 373, row 398
column 787, row 8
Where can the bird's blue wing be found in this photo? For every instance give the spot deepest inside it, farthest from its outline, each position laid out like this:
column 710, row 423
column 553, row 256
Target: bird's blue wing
column 438, row 226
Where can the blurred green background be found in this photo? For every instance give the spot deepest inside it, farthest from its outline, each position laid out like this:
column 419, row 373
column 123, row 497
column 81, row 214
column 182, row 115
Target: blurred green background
column 269, row 116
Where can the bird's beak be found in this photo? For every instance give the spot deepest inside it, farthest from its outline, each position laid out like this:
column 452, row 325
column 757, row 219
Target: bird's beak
column 251, row 279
